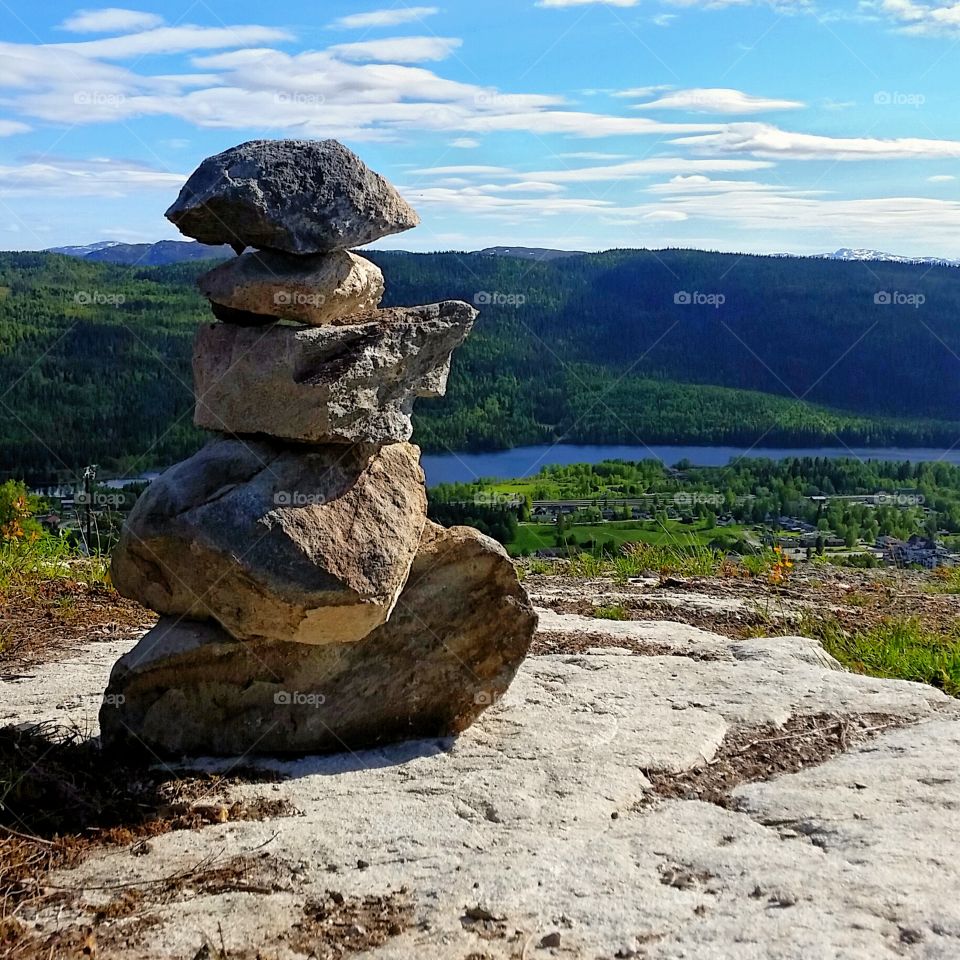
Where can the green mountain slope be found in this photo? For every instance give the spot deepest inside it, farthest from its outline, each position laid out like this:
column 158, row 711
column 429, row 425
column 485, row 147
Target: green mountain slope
column 95, row 358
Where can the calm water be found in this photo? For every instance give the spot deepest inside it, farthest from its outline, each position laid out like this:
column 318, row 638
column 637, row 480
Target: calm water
column 527, row 461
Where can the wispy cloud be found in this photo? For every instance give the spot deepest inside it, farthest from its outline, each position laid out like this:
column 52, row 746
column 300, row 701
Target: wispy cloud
column 397, row 49
column 583, row 3
column 169, row 40
column 921, row 18
column 391, row 17
column 764, row 140
column 718, row 100
column 83, row 178
column 111, row 20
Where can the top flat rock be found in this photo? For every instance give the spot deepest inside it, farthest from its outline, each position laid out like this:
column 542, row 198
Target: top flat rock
column 298, row 196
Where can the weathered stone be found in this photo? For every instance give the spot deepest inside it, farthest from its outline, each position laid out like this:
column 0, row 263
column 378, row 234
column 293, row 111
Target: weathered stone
column 459, row 632
column 353, row 383
column 319, row 289
column 299, row 196
column 273, row 542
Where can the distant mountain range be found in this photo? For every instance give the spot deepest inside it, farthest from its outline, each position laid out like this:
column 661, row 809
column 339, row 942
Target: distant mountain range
column 160, row 254
column 178, row 251
column 530, row 253
column 852, row 253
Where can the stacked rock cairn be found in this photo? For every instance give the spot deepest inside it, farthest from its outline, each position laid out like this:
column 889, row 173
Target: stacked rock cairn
column 307, row 603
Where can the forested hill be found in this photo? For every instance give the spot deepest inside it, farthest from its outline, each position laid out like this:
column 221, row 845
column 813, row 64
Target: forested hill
column 95, row 358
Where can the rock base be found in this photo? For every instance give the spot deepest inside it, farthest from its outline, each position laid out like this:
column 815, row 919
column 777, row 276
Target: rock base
column 460, row 630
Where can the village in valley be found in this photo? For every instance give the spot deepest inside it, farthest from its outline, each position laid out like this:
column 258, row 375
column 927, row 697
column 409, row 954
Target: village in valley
column 796, row 510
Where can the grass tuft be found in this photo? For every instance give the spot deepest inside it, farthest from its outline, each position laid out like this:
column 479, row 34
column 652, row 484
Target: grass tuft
column 614, row 611
column 896, row 648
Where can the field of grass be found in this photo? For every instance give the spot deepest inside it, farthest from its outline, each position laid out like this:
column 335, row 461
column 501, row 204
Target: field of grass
column 532, row 537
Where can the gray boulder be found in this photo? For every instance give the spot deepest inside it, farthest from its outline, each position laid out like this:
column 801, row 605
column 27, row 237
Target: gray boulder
column 460, row 630
column 309, row 545
column 353, row 383
column 299, row 196
column 320, row 289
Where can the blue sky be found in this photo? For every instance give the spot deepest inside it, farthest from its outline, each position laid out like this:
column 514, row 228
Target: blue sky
column 760, row 127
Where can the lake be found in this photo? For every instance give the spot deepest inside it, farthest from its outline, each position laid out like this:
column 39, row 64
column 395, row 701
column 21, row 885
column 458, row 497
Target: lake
column 528, row 461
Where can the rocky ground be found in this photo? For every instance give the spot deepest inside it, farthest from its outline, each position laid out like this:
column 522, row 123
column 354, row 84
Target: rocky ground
column 739, row 607
column 668, row 786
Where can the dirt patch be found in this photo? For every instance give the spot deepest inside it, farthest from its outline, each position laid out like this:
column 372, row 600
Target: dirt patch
column 752, row 754
column 337, row 926
column 553, row 642
column 735, row 624
column 47, row 619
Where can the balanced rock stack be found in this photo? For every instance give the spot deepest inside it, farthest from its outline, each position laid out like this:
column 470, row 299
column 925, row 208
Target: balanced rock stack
column 307, row 604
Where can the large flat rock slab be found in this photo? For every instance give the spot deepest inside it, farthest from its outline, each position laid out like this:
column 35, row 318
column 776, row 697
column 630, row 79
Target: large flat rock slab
column 532, row 815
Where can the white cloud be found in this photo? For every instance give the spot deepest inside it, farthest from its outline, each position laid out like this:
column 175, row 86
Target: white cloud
column 697, row 183
column 920, row 18
column 383, row 18
column 941, row 178
column 574, row 124
column 10, row 127
column 665, row 216
column 583, row 3
column 664, row 19
column 397, row 49
column 878, row 221
column 639, row 93
column 110, row 20
column 521, row 186
column 650, row 166
column 718, row 100
column 464, row 169
column 465, row 143
column 592, row 155
column 167, row 40
column 90, row 178
column 764, row 140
